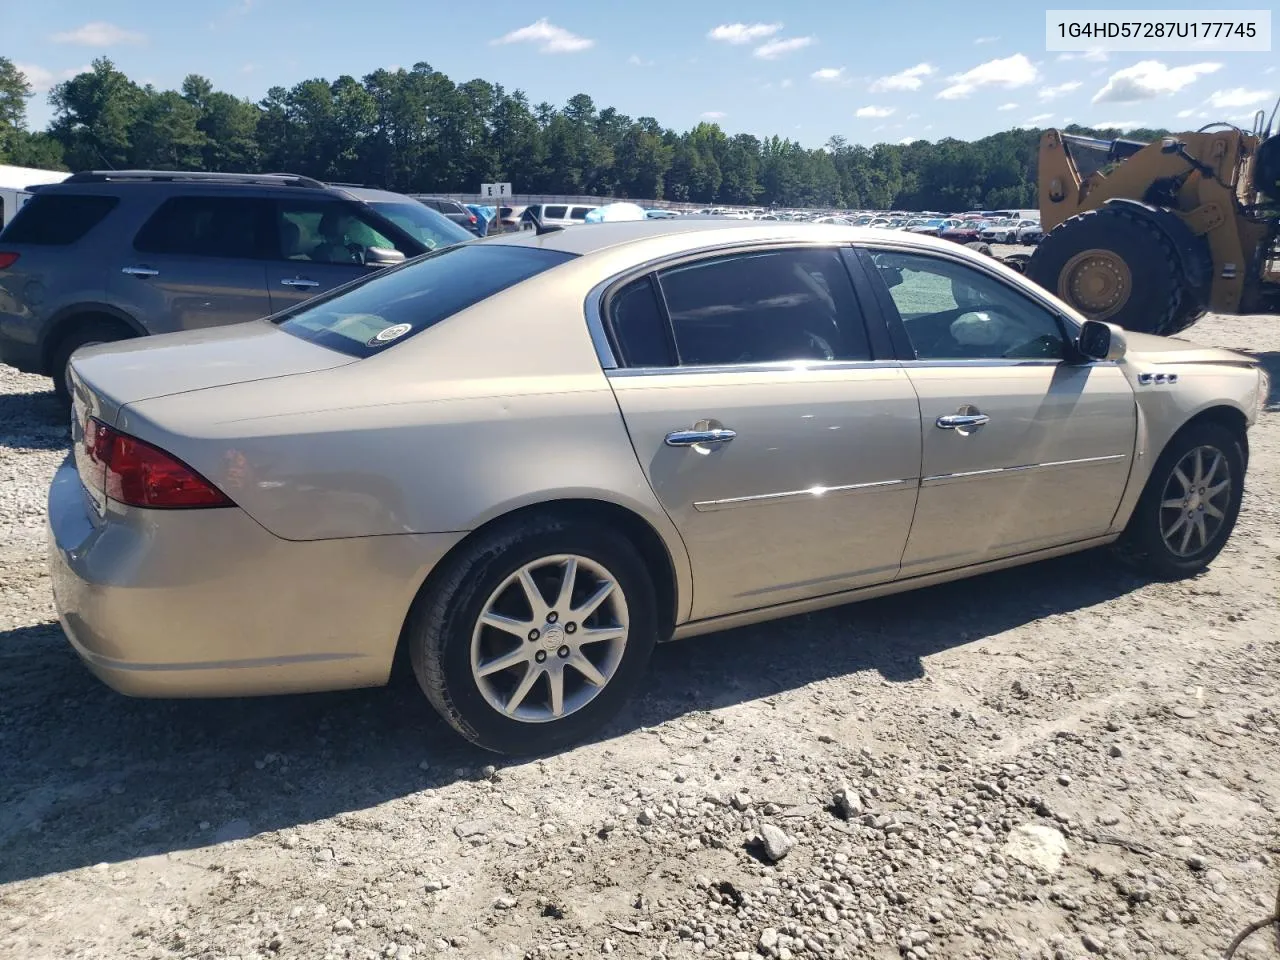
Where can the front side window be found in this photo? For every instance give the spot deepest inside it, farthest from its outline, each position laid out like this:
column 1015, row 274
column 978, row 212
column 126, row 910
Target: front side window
column 770, row 306
column 395, row 304
column 431, row 228
column 214, row 226
column 320, row 231
column 953, row 312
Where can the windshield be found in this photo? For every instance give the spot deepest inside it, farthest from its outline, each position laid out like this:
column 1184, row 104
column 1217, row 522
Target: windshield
column 395, row 304
column 422, row 223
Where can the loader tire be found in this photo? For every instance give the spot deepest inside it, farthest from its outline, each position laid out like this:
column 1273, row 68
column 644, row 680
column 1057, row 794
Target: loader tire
column 1115, row 265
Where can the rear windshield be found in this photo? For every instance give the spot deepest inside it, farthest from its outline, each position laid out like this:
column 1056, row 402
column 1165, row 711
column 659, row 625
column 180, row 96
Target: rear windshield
column 432, row 228
column 390, row 306
column 57, row 219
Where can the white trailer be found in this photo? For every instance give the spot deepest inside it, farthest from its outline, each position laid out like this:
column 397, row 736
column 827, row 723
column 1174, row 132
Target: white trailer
column 14, row 182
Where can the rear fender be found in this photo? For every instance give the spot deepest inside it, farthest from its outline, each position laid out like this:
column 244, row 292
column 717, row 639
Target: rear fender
column 62, row 321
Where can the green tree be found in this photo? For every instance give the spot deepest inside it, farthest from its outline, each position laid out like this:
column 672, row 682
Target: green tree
column 96, row 116
column 15, row 91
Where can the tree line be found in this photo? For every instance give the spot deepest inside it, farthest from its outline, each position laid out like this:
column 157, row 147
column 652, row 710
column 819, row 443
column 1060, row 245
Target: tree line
column 417, row 131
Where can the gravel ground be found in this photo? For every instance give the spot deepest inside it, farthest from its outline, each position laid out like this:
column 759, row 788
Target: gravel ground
column 1052, row 762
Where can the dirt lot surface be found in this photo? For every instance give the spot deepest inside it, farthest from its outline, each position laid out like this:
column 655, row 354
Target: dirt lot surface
column 1058, row 761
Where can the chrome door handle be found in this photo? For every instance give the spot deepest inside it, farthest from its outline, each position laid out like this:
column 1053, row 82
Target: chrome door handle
column 300, row 282
column 690, row 438
column 140, row 272
column 962, row 421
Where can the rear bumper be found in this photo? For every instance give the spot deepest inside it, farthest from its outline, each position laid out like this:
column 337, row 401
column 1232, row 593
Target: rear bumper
column 206, row 603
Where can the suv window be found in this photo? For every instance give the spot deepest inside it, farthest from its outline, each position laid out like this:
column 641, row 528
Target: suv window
column 554, row 213
column 429, row 227
column 321, row 231
column 206, row 227
column 401, row 301
column 638, row 326
column 763, row 307
column 57, row 219
column 953, row 312
column 580, row 213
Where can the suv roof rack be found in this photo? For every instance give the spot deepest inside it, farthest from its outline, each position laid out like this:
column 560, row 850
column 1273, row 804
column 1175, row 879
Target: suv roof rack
column 169, row 176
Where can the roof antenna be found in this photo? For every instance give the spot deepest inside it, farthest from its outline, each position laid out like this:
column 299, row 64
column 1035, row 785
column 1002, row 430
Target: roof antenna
column 540, row 228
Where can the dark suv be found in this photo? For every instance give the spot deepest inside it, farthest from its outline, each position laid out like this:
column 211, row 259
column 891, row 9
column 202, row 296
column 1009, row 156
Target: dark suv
column 452, row 209
column 105, row 256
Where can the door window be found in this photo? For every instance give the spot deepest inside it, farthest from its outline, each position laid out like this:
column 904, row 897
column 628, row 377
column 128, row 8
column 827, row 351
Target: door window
column 231, row 227
column 580, row 213
column 639, row 330
column 763, row 307
column 953, row 312
column 554, row 213
column 328, row 232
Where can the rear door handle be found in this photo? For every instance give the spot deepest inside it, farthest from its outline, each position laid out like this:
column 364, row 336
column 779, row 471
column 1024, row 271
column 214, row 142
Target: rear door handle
column 962, row 421
column 300, row 282
column 690, row 438
column 140, row 272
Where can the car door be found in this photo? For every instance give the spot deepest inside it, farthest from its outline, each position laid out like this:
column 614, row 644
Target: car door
column 784, row 452
column 319, row 244
column 197, row 261
column 1024, row 448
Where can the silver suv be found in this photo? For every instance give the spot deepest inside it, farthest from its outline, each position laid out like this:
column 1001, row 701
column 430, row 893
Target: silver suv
column 105, row 256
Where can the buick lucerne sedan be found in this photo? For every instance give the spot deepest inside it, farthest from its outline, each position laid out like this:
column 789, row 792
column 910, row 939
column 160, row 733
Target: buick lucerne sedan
column 523, row 460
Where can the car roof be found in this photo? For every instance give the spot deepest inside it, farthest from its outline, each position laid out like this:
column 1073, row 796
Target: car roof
column 688, row 232
column 372, row 194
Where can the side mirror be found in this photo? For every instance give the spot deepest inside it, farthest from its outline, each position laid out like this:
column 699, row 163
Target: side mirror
column 382, row 257
column 1101, row 341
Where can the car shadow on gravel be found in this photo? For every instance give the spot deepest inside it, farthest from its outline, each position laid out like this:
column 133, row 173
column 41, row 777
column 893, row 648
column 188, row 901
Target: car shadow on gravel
column 90, row 776
column 24, row 416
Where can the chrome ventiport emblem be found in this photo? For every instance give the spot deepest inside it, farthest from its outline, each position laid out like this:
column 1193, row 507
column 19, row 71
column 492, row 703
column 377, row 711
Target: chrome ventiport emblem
column 1147, row 379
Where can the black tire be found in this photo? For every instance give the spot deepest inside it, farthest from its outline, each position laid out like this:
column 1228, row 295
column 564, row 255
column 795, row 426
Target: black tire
column 79, row 334
column 439, row 630
column 979, row 246
column 1011, row 238
column 1158, row 302
column 1143, row 544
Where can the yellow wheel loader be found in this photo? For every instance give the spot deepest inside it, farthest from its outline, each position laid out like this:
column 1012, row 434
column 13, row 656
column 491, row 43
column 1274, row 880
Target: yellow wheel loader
column 1151, row 236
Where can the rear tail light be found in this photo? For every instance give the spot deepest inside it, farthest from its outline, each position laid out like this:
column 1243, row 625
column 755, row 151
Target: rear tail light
column 135, row 473
column 471, row 217
column 8, row 259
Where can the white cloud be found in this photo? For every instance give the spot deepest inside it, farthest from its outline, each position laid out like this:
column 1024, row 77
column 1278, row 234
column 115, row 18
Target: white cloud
column 1096, row 55
column 99, row 34
column 1007, row 106
column 1039, row 118
column 905, row 141
column 1183, row 114
column 1148, row 79
column 1238, row 97
column 1116, row 124
column 713, row 115
column 1050, row 93
column 251, row 67
column 981, row 40
column 876, row 112
column 828, row 74
column 910, row 79
column 636, row 61
column 1009, row 72
column 779, row 48
column 548, row 37
column 1269, row 70
column 43, row 80
column 785, row 83
column 742, row 33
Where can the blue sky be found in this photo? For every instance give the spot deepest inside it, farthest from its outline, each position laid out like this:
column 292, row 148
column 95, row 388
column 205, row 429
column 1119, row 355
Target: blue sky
column 868, row 70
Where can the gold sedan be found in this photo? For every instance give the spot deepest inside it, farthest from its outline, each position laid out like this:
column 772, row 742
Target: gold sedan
column 524, row 460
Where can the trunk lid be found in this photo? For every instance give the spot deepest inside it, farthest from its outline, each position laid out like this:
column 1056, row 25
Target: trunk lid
column 106, row 377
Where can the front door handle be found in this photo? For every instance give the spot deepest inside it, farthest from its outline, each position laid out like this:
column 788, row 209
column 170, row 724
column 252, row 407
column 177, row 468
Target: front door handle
column 300, row 282
column 140, row 272
column 962, row 421
column 691, row 438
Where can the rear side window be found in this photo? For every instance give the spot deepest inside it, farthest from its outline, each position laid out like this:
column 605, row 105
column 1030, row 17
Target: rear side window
column 554, row 213
column 579, row 213
column 58, row 219
column 639, row 326
column 395, row 304
column 236, row 227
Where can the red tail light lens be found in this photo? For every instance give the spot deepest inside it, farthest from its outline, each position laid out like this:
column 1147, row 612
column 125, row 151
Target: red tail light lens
column 8, row 259
column 472, row 219
column 139, row 475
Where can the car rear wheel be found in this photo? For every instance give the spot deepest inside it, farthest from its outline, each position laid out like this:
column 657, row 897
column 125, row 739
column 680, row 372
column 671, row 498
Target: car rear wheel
column 1189, row 506
column 86, row 333
column 535, row 634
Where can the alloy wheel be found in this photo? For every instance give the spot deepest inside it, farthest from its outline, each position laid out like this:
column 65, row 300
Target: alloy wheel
column 1195, row 501
column 549, row 638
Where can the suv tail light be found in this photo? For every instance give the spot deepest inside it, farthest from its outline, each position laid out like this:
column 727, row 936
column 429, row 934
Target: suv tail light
column 471, row 217
column 135, row 473
column 8, row 259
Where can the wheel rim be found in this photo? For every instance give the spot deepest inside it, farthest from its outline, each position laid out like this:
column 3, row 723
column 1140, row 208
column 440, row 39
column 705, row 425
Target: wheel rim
column 536, row 660
column 1197, row 495
column 1096, row 282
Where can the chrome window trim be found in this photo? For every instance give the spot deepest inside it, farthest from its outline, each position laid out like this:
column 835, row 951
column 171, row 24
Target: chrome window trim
column 799, row 366
column 708, row 506
column 594, row 303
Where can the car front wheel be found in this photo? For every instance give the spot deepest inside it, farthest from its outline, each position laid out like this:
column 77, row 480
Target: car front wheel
column 1189, row 506
column 535, row 634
